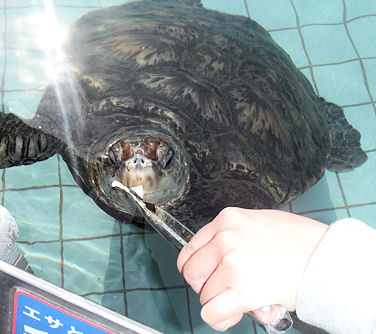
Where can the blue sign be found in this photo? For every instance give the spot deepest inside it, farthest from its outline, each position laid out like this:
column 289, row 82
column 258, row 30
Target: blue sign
column 31, row 315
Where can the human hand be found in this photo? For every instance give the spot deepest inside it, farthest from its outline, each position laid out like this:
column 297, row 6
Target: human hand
column 246, row 259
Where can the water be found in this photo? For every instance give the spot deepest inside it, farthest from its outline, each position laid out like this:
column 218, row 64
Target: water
column 69, row 241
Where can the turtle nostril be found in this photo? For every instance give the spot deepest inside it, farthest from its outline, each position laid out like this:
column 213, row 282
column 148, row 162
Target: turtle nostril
column 139, row 160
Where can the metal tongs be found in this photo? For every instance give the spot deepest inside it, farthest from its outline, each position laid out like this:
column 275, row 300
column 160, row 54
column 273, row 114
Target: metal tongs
column 179, row 235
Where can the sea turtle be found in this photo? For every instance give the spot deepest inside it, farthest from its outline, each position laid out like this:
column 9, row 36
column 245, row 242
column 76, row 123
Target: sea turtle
column 202, row 108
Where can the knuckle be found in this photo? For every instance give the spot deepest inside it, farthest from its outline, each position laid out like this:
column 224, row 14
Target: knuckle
column 220, row 309
column 192, row 245
column 209, row 313
column 229, row 217
column 192, row 277
column 232, row 263
column 230, row 258
column 221, row 238
column 227, row 212
column 204, row 316
column 224, row 239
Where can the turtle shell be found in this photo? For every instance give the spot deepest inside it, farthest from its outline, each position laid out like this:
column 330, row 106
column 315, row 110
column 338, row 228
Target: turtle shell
column 248, row 121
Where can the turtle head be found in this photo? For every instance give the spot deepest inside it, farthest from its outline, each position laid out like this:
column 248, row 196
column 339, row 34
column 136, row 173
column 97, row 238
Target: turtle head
column 153, row 162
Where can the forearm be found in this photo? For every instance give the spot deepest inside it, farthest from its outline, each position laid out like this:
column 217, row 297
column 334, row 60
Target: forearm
column 338, row 290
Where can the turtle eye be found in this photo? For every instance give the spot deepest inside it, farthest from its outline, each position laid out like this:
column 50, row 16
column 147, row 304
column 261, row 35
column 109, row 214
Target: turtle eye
column 111, row 157
column 114, row 156
column 166, row 160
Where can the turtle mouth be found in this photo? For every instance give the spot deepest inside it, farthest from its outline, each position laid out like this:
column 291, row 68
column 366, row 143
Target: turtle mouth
column 148, row 162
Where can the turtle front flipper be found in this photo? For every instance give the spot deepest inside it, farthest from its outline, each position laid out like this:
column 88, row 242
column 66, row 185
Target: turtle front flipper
column 21, row 144
column 345, row 151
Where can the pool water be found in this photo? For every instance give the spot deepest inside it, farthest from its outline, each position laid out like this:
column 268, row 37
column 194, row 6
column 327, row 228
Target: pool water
column 70, row 242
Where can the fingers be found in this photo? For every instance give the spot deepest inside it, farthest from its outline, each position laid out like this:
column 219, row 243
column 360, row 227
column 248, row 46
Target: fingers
column 207, row 249
column 226, row 324
column 224, row 310
column 201, row 265
column 203, row 236
column 223, row 277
